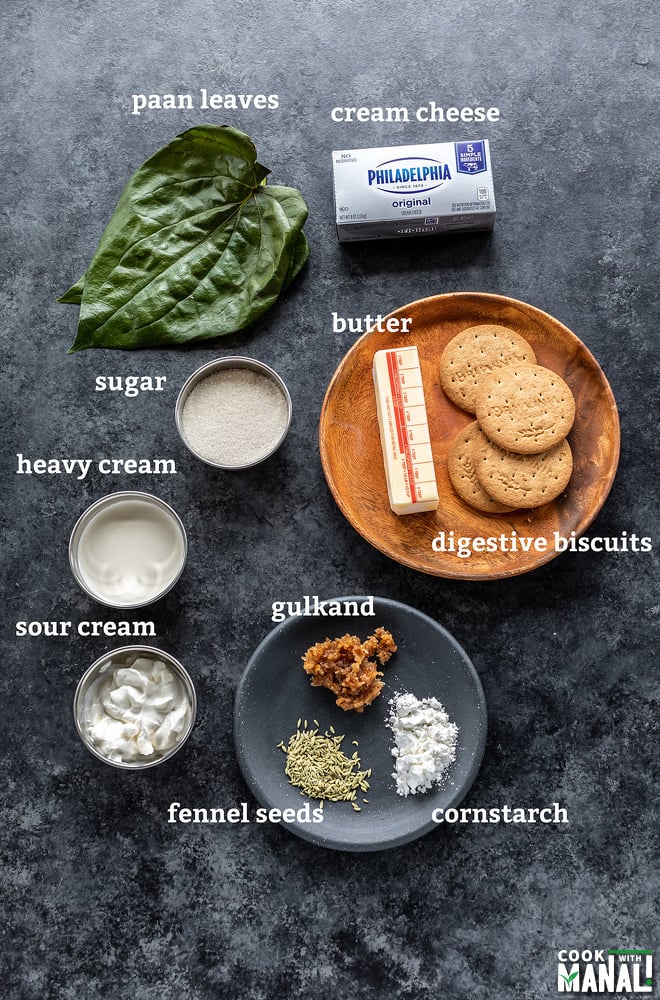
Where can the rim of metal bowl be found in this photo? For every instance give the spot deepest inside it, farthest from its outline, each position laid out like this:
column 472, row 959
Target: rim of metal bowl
column 88, row 515
column 218, row 364
column 170, row 660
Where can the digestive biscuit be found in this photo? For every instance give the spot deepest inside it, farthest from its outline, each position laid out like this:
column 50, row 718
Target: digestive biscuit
column 525, row 409
column 474, row 354
column 523, row 480
column 460, row 464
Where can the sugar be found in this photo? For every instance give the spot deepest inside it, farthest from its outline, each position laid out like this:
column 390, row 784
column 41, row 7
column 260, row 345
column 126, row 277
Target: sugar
column 234, row 417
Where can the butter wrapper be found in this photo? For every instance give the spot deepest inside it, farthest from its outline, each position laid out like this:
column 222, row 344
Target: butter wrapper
column 404, row 431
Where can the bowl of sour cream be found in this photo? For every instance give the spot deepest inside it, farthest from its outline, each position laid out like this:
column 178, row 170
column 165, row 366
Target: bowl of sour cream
column 135, row 707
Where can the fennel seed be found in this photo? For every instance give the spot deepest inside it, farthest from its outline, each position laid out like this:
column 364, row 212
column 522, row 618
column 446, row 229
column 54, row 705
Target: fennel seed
column 317, row 765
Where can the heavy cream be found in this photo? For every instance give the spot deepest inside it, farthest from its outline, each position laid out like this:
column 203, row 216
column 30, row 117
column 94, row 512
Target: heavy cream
column 128, row 549
column 136, row 710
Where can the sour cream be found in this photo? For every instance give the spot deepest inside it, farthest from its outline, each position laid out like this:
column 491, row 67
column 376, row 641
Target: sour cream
column 135, row 711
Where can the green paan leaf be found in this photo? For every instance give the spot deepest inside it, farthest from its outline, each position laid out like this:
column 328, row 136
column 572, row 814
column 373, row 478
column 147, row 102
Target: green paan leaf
column 198, row 246
column 74, row 294
column 300, row 257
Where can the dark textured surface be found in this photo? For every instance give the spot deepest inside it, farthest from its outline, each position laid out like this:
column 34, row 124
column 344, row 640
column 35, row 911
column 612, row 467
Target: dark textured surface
column 103, row 898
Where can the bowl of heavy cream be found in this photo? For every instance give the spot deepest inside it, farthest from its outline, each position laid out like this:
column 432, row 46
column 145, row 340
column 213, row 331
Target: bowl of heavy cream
column 128, row 549
column 135, row 707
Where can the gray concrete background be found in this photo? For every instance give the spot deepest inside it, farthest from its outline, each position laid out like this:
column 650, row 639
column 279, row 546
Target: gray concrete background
column 102, row 897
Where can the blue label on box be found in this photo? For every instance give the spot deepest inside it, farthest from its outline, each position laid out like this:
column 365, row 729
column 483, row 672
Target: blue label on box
column 470, row 157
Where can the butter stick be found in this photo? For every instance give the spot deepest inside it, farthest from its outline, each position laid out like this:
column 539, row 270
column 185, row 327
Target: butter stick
column 404, row 431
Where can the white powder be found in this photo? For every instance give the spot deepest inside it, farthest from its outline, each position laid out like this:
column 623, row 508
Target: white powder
column 425, row 742
column 234, row 417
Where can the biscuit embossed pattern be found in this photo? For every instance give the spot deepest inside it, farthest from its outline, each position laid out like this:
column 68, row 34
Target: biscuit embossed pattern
column 462, row 472
column 523, row 480
column 527, row 409
column 475, row 354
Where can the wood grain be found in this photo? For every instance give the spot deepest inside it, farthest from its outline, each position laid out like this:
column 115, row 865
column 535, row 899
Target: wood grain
column 353, row 464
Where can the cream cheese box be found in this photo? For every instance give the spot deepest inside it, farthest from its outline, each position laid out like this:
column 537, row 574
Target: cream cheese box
column 396, row 191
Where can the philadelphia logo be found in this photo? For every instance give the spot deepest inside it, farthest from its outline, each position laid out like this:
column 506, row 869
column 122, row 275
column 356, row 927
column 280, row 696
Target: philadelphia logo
column 416, row 174
column 619, row 970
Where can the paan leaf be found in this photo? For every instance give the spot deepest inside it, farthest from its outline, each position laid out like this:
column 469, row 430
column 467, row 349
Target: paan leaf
column 73, row 295
column 198, row 246
column 299, row 259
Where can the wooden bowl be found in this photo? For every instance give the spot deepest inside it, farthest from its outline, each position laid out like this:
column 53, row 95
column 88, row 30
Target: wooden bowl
column 353, row 463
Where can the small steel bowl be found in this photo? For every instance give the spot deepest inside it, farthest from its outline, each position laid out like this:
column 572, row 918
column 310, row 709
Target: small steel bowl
column 222, row 364
column 97, row 669
column 99, row 508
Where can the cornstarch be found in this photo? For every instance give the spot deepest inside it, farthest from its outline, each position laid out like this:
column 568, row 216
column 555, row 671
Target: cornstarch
column 424, row 742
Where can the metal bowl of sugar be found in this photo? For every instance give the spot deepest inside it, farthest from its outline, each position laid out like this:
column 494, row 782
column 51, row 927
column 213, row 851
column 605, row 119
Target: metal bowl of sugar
column 128, row 549
column 233, row 413
column 135, row 707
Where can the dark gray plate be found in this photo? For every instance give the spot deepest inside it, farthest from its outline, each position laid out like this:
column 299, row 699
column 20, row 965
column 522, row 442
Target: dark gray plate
column 274, row 692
